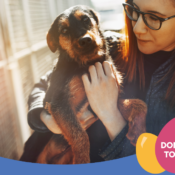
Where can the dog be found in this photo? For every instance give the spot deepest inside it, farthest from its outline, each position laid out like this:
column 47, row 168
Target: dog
column 76, row 35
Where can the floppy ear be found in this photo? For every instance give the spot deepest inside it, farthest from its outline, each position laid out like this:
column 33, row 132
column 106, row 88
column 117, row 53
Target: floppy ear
column 52, row 36
column 95, row 15
column 51, row 42
column 134, row 111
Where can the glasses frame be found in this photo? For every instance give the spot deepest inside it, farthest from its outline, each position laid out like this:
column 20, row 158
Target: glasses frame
column 143, row 13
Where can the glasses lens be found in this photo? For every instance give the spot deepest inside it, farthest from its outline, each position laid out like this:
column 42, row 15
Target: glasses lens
column 131, row 12
column 152, row 21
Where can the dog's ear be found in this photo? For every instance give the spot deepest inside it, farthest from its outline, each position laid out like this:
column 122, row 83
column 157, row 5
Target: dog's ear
column 51, row 42
column 96, row 15
column 52, row 36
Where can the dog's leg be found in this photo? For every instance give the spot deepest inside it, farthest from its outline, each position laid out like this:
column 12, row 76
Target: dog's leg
column 57, row 151
column 62, row 99
column 75, row 135
column 134, row 111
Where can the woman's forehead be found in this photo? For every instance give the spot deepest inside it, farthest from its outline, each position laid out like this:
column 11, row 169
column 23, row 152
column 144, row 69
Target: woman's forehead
column 161, row 6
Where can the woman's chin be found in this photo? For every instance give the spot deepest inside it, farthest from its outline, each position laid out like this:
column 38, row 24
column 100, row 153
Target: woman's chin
column 146, row 50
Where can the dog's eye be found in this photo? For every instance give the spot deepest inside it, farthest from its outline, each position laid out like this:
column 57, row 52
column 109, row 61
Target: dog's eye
column 85, row 19
column 65, row 31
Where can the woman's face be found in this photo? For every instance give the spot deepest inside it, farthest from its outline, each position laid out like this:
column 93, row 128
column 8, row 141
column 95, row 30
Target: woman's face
column 150, row 41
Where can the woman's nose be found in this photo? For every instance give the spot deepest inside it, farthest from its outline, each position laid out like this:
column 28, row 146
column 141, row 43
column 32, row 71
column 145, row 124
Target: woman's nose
column 139, row 27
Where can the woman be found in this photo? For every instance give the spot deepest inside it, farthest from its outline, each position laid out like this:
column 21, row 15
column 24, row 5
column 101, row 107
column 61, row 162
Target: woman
column 146, row 56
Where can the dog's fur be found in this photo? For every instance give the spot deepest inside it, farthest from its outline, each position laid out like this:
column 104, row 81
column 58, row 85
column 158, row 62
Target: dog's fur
column 76, row 35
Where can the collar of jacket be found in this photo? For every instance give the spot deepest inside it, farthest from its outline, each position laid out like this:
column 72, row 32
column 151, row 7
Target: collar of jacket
column 165, row 68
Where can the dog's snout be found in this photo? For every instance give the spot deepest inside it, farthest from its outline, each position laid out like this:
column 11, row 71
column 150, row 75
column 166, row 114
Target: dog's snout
column 85, row 40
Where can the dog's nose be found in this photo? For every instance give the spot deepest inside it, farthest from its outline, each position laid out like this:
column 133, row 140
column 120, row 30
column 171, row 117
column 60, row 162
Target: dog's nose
column 85, row 40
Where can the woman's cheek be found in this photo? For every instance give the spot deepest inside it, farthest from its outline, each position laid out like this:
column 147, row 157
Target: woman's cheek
column 133, row 23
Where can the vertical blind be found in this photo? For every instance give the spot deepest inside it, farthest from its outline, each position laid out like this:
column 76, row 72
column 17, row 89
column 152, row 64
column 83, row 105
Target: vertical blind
column 32, row 64
column 40, row 19
column 10, row 142
column 18, row 24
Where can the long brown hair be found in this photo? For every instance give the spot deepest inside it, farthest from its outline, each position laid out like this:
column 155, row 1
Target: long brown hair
column 132, row 58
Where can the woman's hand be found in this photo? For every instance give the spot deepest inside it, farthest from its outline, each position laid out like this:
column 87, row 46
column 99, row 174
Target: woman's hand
column 50, row 122
column 85, row 117
column 102, row 93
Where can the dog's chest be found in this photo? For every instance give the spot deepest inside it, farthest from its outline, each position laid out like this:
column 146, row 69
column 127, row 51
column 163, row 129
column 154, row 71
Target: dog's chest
column 77, row 92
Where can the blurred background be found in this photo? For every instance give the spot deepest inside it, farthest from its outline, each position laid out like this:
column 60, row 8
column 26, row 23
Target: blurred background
column 25, row 57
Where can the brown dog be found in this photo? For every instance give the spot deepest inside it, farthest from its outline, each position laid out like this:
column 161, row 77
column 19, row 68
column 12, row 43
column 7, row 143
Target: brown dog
column 76, row 35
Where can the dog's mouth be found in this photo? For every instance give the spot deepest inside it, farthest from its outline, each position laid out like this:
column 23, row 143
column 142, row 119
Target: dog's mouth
column 87, row 48
column 89, row 51
column 90, row 55
column 89, row 43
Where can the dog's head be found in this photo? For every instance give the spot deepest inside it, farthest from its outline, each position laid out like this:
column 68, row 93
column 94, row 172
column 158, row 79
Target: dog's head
column 76, row 32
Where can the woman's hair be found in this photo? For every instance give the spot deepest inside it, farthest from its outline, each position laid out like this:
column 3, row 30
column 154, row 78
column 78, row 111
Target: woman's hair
column 173, row 1
column 132, row 58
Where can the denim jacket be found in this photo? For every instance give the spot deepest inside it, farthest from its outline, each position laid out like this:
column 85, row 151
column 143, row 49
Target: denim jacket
column 159, row 112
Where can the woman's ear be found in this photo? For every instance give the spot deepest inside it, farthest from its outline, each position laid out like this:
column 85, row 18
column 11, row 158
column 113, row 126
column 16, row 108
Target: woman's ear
column 96, row 15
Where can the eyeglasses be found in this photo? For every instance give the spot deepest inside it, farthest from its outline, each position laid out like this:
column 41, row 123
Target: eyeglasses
column 152, row 21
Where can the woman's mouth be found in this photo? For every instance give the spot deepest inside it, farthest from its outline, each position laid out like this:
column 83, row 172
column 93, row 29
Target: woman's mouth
column 142, row 41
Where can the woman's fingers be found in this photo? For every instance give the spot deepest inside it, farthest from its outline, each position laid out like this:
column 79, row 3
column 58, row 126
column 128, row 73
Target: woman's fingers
column 93, row 74
column 49, row 121
column 99, row 70
column 85, row 106
column 115, row 75
column 97, row 73
column 86, row 117
column 84, row 114
column 107, row 68
column 81, row 114
column 90, row 122
column 86, row 81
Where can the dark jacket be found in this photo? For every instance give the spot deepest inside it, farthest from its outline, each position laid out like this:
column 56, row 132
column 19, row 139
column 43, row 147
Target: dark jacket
column 159, row 110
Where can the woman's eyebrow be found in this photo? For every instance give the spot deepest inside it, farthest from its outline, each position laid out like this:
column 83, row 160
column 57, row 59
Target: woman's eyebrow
column 150, row 11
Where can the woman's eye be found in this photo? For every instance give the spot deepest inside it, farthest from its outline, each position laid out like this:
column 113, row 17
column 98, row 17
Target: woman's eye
column 64, row 31
column 153, row 18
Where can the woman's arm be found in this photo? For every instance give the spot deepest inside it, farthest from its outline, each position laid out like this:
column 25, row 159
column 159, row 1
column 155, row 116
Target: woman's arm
column 102, row 93
column 39, row 120
column 35, row 104
column 118, row 148
column 85, row 117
